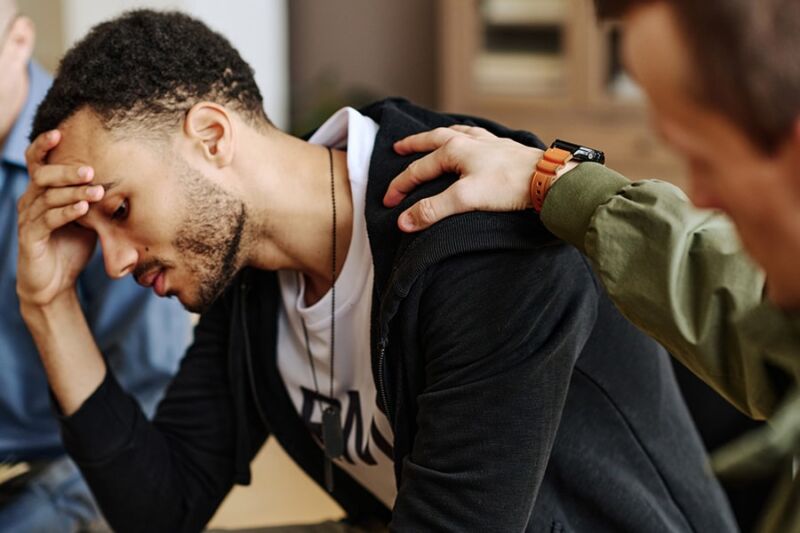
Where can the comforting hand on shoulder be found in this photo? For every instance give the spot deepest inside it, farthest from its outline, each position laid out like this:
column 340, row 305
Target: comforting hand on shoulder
column 495, row 174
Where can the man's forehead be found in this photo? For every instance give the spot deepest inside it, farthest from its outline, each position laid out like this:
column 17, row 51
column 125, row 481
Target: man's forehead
column 82, row 135
column 108, row 184
column 84, row 141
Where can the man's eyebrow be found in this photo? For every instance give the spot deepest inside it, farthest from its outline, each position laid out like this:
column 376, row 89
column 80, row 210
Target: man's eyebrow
column 109, row 185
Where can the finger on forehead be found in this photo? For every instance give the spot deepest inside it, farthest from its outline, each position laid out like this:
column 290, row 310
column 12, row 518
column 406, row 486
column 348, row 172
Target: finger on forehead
column 62, row 175
column 41, row 145
column 54, row 197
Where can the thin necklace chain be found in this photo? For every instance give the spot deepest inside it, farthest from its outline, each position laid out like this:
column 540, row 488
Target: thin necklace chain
column 333, row 293
column 333, row 268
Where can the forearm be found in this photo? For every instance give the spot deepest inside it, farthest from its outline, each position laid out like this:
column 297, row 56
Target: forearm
column 678, row 273
column 103, row 428
column 169, row 474
column 72, row 361
column 128, row 463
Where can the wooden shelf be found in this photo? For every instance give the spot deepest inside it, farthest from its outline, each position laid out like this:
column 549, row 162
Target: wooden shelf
column 523, row 12
column 518, row 73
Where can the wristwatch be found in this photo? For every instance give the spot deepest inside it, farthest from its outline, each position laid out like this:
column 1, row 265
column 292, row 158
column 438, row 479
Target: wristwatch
column 558, row 155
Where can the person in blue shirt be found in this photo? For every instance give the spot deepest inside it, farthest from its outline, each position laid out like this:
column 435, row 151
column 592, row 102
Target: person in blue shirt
column 141, row 336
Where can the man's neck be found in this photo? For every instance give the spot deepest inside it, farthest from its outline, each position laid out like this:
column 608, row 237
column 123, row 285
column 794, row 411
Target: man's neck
column 293, row 211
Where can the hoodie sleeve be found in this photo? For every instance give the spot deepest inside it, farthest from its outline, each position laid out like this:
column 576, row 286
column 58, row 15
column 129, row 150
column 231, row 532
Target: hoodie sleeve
column 681, row 275
column 171, row 474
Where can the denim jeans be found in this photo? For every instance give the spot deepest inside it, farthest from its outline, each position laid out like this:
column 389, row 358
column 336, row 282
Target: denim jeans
column 55, row 500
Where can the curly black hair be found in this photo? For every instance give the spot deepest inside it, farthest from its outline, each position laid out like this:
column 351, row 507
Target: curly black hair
column 145, row 69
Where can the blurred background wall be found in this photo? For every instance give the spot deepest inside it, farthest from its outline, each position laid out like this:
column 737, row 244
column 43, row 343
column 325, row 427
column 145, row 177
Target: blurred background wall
column 258, row 29
column 356, row 51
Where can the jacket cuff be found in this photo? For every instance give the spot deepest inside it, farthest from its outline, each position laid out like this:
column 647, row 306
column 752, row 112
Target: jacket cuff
column 102, row 426
column 573, row 200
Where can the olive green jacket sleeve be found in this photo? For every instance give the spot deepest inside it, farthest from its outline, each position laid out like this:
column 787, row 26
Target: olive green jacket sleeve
column 681, row 275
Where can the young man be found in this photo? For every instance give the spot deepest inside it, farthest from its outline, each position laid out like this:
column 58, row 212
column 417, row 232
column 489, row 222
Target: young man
column 725, row 92
column 405, row 374
column 140, row 336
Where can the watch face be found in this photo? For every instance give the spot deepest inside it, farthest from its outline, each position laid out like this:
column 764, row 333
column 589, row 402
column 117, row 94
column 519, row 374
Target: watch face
column 580, row 153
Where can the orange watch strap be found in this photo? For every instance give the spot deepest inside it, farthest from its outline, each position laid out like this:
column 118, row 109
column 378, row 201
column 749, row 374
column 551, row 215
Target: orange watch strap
column 544, row 174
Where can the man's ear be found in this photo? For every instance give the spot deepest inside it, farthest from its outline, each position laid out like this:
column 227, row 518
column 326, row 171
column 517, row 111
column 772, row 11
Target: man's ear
column 210, row 128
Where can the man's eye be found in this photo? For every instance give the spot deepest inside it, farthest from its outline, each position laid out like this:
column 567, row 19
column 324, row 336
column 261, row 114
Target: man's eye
column 121, row 212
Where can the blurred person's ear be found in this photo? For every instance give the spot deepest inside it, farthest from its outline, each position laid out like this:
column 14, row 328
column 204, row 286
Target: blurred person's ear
column 21, row 40
column 793, row 143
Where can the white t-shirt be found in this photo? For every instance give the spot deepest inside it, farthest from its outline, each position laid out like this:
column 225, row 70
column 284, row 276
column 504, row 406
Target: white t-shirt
column 367, row 432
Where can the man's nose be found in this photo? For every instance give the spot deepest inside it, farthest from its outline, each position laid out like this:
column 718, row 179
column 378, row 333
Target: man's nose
column 119, row 256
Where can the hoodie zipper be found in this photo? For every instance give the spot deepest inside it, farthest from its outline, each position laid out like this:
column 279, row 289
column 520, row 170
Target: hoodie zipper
column 244, row 288
column 381, row 387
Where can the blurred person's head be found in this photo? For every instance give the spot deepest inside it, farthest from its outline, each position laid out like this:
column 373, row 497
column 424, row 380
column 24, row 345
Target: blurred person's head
column 723, row 81
column 16, row 48
column 162, row 108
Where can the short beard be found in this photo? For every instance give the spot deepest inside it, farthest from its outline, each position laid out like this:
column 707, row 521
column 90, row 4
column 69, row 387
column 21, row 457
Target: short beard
column 210, row 236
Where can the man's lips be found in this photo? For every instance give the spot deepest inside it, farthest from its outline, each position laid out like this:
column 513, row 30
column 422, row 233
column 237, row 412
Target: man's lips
column 160, row 284
column 155, row 279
